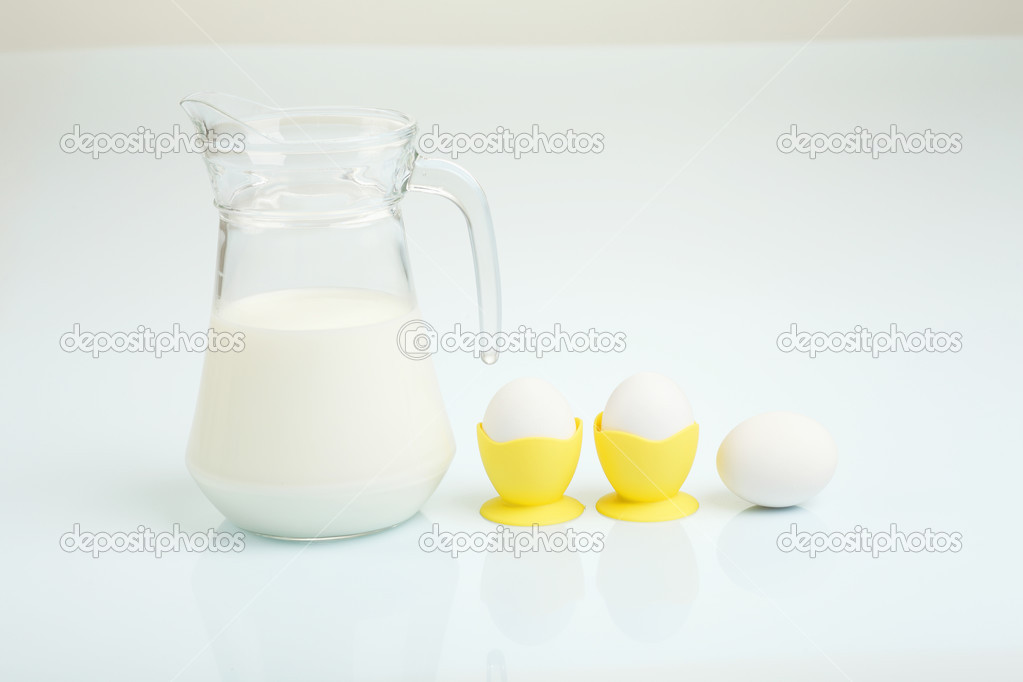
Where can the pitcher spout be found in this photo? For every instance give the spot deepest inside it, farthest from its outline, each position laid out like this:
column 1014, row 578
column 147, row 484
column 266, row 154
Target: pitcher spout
column 215, row 113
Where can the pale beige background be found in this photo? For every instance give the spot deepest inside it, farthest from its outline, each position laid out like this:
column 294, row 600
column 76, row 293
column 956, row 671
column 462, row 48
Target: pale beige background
column 75, row 23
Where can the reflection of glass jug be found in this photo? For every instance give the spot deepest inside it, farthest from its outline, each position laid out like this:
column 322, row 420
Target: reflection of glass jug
column 379, row 613
column 320, row 426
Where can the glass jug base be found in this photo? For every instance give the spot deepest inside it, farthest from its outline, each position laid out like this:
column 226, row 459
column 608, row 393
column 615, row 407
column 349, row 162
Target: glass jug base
column 324, row 539
column 317, row 512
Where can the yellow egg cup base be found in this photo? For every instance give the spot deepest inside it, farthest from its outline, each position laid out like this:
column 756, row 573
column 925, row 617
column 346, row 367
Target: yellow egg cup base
column 679, row 506
column 559, row 511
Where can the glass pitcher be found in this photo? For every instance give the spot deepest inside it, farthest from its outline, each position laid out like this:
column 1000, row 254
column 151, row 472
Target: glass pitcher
column 313, row 423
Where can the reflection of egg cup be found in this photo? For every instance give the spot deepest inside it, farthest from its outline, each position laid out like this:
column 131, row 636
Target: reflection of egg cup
column 646, row 474
column 531, row 476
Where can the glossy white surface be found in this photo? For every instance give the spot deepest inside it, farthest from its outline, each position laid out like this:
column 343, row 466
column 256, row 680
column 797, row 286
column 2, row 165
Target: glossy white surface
column 690, row 232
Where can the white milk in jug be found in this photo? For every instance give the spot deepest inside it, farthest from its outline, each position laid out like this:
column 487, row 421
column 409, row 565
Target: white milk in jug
column 319, row 427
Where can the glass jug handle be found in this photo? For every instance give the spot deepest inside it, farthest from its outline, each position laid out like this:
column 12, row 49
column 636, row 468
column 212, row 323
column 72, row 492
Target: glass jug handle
column 449, row 180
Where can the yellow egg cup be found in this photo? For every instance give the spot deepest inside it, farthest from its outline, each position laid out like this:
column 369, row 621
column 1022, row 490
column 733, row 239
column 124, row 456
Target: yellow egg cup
column 646, row 474
column 531, row 476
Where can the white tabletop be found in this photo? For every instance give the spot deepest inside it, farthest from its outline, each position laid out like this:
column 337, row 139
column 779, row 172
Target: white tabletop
column 690, row 232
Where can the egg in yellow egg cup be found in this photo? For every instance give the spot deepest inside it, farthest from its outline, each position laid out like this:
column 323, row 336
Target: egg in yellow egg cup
column 531, row 476
column 646, row 474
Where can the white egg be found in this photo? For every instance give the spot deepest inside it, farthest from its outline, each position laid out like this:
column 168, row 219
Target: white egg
column 528, row 408
column 648, row 405
column 777, row 459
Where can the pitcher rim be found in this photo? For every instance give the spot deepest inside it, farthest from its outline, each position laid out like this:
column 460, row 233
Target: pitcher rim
column 404, row 132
